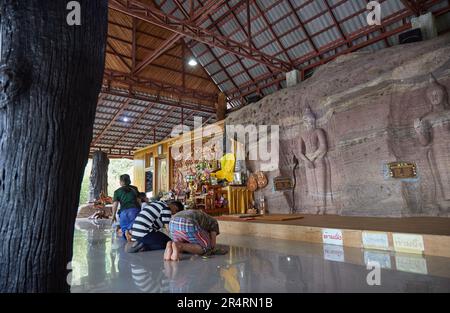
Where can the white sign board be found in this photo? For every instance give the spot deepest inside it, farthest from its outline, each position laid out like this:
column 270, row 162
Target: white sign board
column 332, row 237
column 375, row 240
column 333, row 253
column 408, row 243
column 412, row 264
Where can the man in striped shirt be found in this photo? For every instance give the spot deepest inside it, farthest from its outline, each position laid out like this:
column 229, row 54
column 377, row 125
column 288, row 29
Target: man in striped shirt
column 148, row 228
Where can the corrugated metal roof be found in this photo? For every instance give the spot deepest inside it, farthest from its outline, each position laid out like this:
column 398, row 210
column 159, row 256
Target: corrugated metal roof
column 141, row 134
column 290, row 37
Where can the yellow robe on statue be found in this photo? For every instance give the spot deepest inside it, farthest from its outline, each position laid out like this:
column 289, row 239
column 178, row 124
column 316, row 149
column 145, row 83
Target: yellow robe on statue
column 227, row 164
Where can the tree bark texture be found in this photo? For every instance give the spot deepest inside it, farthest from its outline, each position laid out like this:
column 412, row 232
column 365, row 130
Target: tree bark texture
column 98, row 180
column 50, row 78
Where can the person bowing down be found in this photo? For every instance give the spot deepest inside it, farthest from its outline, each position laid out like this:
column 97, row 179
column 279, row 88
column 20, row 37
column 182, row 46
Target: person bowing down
column 147, row 232
column 192, row 231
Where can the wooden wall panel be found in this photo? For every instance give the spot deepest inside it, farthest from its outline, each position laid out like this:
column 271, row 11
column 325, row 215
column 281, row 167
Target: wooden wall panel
column 138, row 170
column 140, row 156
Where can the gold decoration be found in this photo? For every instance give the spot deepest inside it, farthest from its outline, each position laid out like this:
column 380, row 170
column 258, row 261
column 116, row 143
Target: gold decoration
column 402, row 170
column 252, row 183
column 282, row 183
column 262, row 179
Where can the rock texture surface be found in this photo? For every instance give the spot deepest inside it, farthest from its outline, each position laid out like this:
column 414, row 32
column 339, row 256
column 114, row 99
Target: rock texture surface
column 352, row 118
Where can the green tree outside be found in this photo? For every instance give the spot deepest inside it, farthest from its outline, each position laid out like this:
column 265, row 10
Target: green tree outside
column 116, row 168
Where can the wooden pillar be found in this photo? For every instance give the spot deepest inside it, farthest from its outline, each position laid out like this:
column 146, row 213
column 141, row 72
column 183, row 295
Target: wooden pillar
column 221, row 106
column 98, row 181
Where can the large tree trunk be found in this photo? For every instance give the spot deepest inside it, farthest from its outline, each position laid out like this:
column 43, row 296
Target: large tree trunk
column 50, row 78
column 98, row 181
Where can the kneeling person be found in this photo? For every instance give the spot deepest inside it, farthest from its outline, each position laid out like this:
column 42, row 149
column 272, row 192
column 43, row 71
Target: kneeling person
column 192, row 231
column 147, row 231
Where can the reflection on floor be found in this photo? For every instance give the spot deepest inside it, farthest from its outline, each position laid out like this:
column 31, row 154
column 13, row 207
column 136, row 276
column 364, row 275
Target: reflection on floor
column 252, row 265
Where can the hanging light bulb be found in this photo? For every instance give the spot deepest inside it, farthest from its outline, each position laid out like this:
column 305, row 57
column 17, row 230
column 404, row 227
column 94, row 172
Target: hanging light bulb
column 192, row 62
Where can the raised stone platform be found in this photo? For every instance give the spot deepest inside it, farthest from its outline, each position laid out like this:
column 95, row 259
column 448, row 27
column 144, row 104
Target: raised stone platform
column 423, row 235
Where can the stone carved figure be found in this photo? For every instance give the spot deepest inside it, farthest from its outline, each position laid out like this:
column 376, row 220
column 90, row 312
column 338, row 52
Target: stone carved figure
column 433, row 132
column 313, row 150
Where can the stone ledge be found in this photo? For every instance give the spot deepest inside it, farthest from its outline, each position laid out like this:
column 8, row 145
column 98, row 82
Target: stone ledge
column 435, row 244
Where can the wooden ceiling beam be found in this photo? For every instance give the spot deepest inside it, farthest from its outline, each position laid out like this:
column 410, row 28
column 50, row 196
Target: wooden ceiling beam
column 123, row 153
column 183, row 10
column 167, row 68
column 415, row 6
column 116, row 53
column 141, row 107
column 170, row 41
column 134, row 45
column 182, row 27
column 214, row 56
column 131, row 94
column 135, row 131
column 130, row 43
column 159, row 86
column 166, row 45
column 138, row 31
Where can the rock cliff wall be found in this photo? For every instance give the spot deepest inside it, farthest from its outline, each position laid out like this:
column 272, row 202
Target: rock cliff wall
column 350, row 120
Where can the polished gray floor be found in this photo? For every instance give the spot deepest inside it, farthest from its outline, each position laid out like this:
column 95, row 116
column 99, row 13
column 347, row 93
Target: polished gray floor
column 252, row 265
